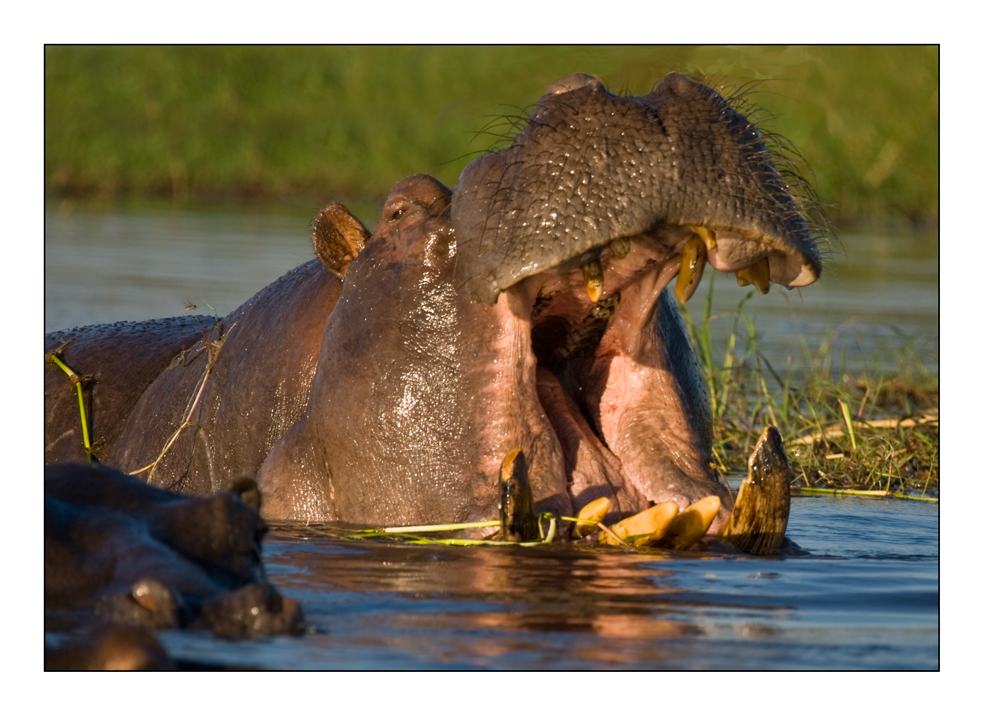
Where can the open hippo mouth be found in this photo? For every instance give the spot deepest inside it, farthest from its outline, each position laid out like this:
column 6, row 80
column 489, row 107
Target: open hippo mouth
column 574, row 231
column 510, row 347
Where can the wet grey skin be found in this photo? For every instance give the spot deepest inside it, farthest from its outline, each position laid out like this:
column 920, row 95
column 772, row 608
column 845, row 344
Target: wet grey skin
column 420, row 393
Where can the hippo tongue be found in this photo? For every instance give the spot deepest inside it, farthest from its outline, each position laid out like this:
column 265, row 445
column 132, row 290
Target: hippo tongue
column 593, row 470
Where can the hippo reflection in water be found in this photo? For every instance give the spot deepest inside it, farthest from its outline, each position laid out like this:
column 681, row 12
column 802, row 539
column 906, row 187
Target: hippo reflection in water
column 523, row 315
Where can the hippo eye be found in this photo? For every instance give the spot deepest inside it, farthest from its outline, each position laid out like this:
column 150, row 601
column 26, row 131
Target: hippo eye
column 397, row 212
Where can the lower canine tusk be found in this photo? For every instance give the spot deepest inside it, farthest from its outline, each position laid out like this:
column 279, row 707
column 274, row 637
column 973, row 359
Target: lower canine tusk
column 758, row 520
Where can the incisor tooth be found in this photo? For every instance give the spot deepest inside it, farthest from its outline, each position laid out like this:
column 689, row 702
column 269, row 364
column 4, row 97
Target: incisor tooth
column 620, row 247
column 652, row 524
column 757, row 273
column 692, row 261
column 692, row 524
column 594, row 280
column 594, row 510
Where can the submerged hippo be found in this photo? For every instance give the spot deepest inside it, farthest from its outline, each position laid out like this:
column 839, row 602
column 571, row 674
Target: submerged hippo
column 127, row 557
column 523, row 315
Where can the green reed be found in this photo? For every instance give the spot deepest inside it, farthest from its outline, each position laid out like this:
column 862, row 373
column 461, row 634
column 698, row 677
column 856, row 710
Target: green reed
column 874, row 429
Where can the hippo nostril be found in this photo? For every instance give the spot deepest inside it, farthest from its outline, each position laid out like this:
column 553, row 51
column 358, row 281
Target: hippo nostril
column 572, row 82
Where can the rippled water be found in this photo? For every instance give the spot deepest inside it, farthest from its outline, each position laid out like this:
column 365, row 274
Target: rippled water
column 866, row 597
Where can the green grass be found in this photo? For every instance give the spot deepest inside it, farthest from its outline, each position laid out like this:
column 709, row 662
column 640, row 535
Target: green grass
column 877, row 429
column 287, row 126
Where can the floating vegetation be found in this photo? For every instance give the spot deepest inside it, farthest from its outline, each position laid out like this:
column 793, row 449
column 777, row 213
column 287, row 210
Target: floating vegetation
column 414, row 534
column 860, row 493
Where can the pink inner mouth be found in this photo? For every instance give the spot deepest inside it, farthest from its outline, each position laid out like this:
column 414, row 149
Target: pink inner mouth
column 627, row 428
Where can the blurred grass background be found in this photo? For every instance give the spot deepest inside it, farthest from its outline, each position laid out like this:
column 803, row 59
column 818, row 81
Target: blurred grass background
column 291, row 128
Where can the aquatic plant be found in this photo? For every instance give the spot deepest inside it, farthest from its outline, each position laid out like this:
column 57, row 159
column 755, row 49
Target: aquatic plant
column 873, row 432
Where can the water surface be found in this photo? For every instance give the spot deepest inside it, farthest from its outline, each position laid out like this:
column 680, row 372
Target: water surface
column 867, row 597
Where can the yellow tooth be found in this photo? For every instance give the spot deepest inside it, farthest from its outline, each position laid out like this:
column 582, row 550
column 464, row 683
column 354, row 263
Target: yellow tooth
column 757, row 273
column 692, row 261
column 620, row 247
column 692, row 524
column 706, row 235
column 652, row 524
column 519, row 522
column 594, row 280
column 761, row 512
column 594, row 510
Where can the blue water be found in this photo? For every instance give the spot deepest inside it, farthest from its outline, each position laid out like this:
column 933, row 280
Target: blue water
column 866, row 597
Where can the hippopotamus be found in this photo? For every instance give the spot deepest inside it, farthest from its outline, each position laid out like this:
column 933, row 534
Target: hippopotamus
column 514, row 334
column 129, row 557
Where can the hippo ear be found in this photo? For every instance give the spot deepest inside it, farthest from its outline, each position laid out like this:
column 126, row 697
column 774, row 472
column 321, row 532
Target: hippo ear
column 338, row 238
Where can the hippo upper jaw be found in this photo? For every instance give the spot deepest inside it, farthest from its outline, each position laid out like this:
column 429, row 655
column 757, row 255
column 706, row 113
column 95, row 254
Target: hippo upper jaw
column 591, row 168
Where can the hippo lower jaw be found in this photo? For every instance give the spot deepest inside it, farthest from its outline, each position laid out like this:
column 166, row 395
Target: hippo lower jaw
column 614, row 372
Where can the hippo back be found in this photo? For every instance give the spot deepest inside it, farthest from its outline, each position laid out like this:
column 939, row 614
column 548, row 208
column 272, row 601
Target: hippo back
column 121, row 360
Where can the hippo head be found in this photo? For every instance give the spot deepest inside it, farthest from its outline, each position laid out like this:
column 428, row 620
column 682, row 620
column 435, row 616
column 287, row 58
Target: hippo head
column 527, row 312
